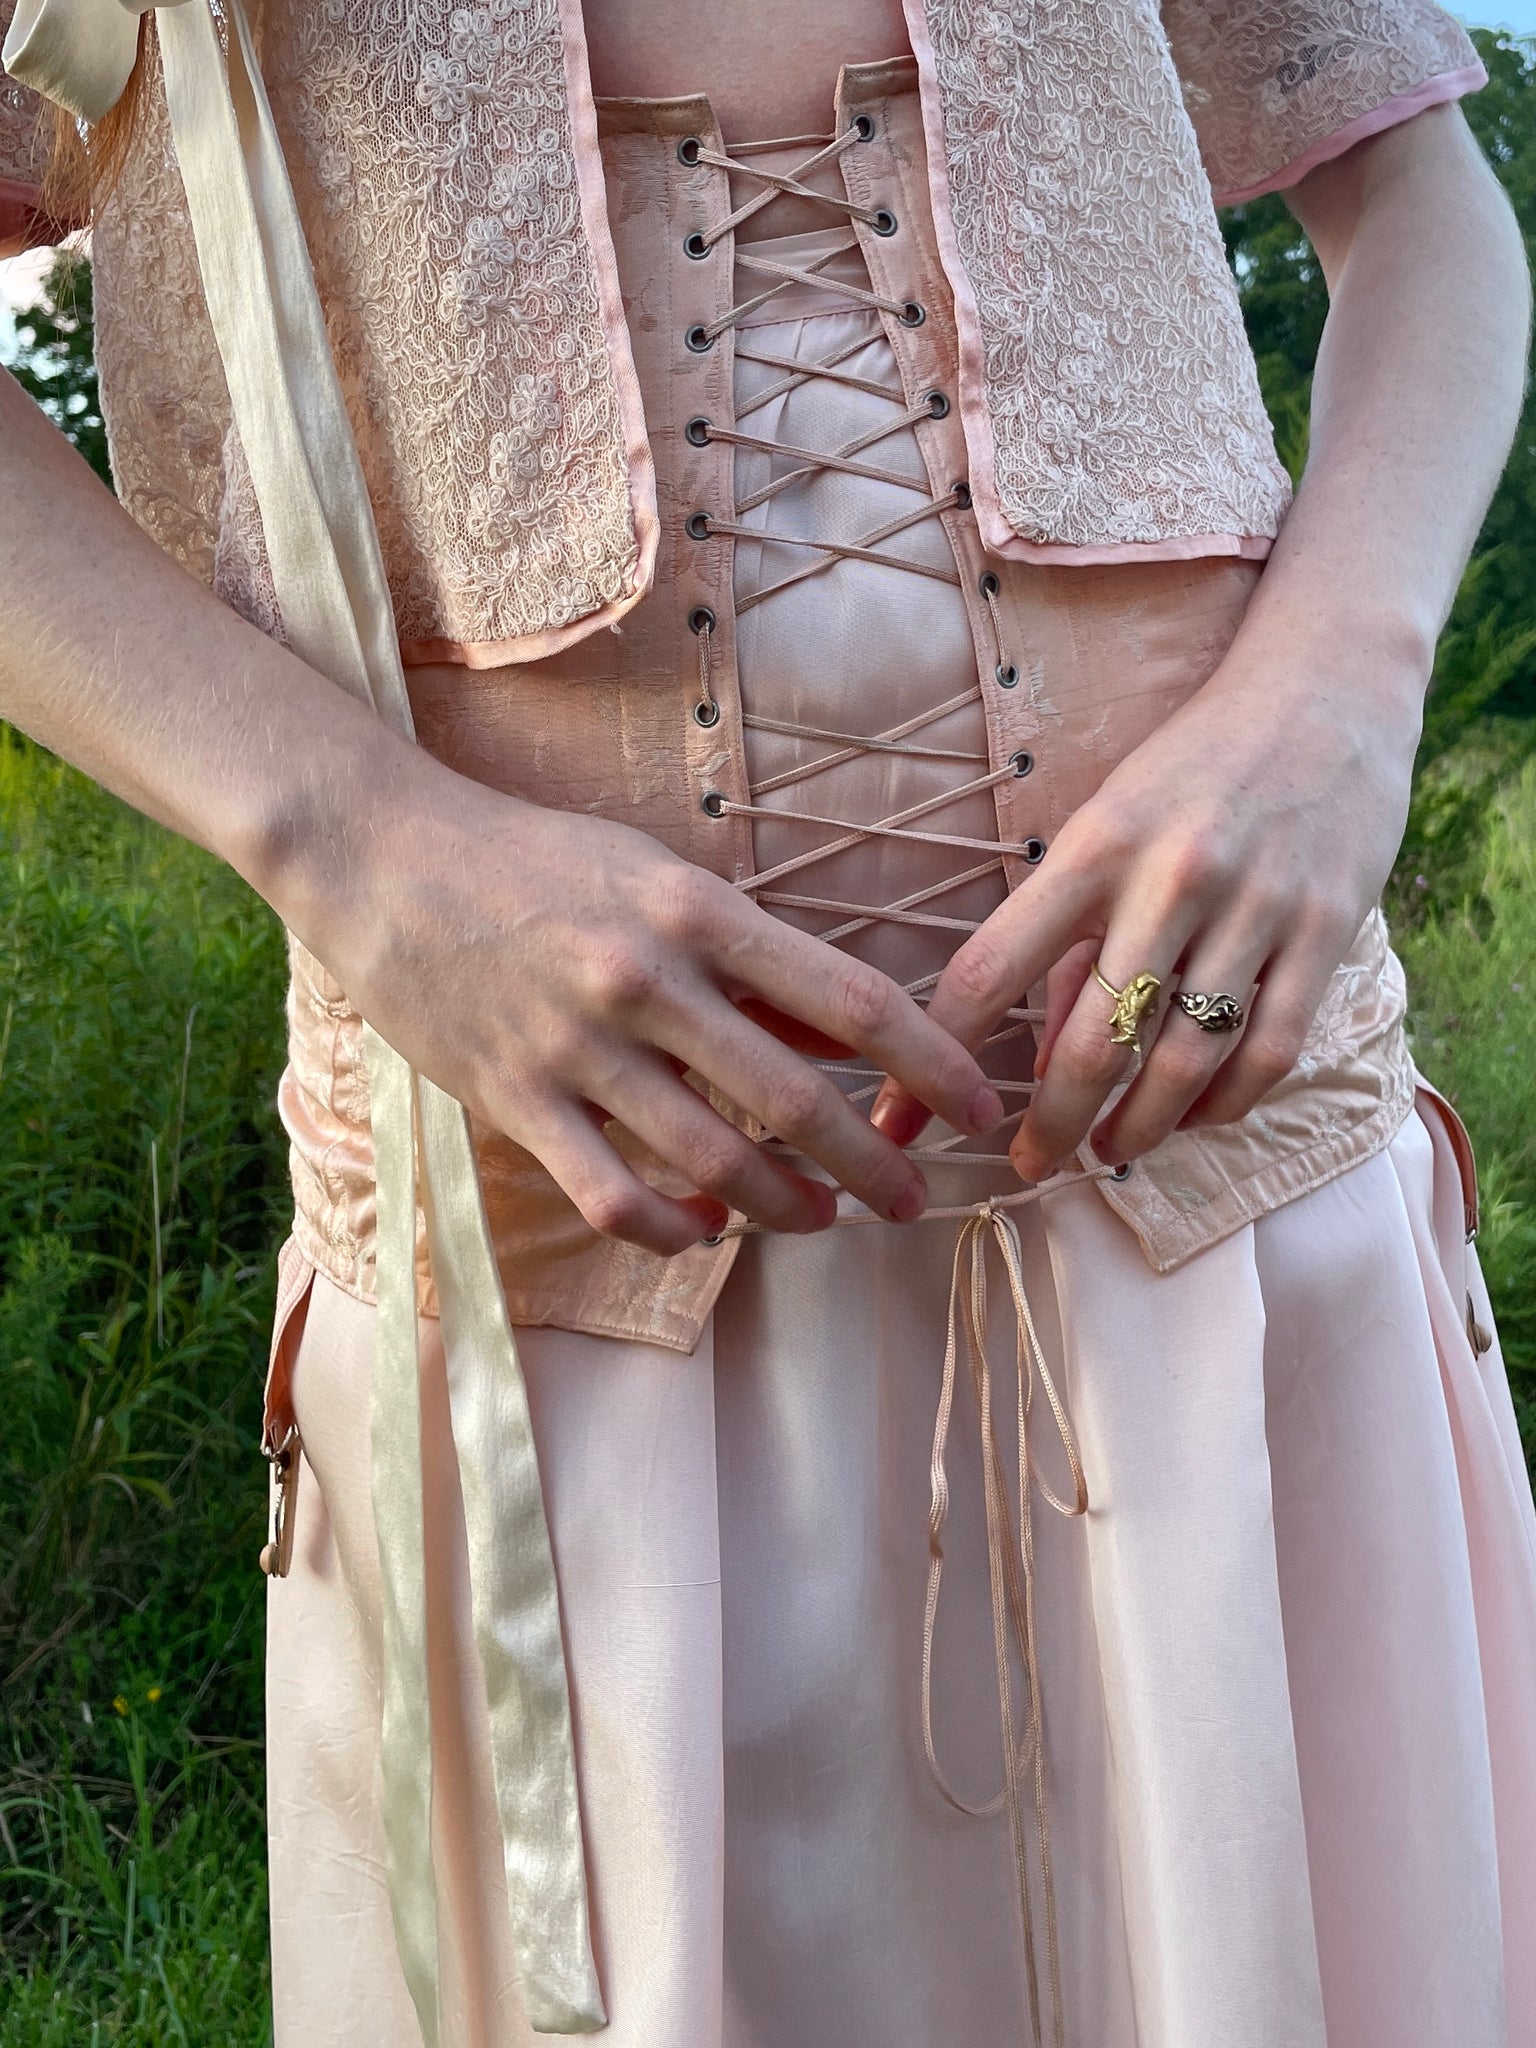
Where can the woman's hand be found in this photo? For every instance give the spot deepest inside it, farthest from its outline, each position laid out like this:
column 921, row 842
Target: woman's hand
column 1238, row 848
column 1242, row 845
column 553, row 971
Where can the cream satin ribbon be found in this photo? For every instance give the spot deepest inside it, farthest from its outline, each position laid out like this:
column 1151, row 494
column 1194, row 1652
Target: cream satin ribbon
column 331, row 588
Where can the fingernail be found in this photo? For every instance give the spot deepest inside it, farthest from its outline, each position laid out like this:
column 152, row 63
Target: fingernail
column 910, row 1203
column 1029, row 1168
column 986, row 1109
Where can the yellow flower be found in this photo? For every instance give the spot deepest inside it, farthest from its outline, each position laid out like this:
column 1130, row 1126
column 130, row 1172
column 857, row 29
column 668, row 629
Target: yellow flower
column 119, row 1705
column 153, row 1694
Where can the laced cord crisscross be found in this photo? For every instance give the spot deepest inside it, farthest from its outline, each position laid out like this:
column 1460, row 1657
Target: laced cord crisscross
column 789, row 883
column 947, row 738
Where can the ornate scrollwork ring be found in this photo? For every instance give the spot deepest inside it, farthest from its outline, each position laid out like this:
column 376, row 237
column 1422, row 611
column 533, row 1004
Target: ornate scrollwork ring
column 1131, row 1004
column 1211, row 1012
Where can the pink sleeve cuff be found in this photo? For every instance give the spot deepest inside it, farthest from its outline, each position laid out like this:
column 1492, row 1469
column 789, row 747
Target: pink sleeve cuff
column 1434, row 92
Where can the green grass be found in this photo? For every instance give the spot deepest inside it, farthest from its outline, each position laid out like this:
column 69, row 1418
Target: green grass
column 141, row 1197
column 142, row 1193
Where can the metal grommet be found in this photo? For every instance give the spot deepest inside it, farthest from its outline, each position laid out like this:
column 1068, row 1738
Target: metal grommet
column 961, row 493
column 912, row 314
column 695, row 247
column 698, row 526
column 701, row 619
column 699, row 340
column 1007, row 676
column 712, row 803
column 987, row 583
column 1034, row 851
column 1122, row 1172
column 1022, row 762
column 697, row 431
column 713, row 1241
column 688, row 151
column 706, row 713
column 884, row 222
column 938, row 405
column 863, row 127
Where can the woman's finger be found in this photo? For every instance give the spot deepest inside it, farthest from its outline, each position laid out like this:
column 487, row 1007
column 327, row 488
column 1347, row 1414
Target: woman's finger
column 1180, row 1062
column 1290, row 989
column 1086, row 1062
column 685, row 1130
column 995, row 969
column 797, row 1103
column 610, row 1195
column 854, row 1004
column 1063, row 985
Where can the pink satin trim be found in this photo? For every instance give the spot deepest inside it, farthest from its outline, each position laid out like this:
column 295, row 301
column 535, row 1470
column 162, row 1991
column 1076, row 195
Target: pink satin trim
column 525, row 647
column 1179, row 547
column 1434, row 92
column 996, row 533
column 594, row 212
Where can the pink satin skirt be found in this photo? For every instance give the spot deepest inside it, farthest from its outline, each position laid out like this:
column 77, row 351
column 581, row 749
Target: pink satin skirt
column 1289, row 1658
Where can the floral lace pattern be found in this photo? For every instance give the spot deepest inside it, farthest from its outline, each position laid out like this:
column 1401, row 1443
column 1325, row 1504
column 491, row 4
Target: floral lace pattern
column 1266, row 81
column 431, row 152
column 162, row 388
column 21, row 140
column 1123, row 397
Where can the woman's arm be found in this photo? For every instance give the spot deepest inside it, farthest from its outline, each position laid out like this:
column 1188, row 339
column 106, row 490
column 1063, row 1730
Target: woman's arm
column 549, row 970
column 1245, row 842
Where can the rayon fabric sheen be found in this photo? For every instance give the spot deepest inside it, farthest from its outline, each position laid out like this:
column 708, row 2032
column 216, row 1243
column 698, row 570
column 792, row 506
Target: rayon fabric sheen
column 1289, row 1658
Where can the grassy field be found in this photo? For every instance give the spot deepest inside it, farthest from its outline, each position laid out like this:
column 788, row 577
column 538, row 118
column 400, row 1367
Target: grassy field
column 141, row 1194
column 141, row 1185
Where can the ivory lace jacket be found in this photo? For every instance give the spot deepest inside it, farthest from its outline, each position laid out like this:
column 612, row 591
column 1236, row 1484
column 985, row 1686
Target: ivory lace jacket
column 445, row 161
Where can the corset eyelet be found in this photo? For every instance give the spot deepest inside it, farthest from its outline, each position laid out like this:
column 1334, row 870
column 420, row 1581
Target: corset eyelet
column 698, row 526
column 697, row 432
column 1022, row 762
column 688, row 151
column 864, row 127
column 961, row 493
column 712, row 804
column 701, row 619
column 912, row 314
column 884, row 222
column 1122, row 1172
column 695, row 248
column 938, row 405
column 1007, row 676
column 699, row 340
column 1034, row 851
column 987, row 583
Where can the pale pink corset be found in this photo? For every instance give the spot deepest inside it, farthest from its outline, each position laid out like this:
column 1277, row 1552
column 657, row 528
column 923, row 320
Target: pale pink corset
column 1052, row 676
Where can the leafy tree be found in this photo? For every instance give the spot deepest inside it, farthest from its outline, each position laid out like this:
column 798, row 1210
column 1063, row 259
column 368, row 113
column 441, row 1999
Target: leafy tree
column 55, row 360
column 1488, row 661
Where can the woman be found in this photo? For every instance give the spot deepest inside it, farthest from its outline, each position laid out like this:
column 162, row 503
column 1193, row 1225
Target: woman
column 904, row 435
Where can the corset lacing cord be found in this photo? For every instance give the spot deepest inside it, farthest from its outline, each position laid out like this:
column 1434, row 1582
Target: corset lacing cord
column 1010, row 1555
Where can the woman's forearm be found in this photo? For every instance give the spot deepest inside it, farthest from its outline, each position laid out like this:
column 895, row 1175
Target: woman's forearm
column 1414, row 403
column 115, row 658
column 540, row 965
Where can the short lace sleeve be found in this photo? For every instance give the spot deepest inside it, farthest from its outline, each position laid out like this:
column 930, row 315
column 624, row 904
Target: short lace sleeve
column 1276, row 87
column 22, row 154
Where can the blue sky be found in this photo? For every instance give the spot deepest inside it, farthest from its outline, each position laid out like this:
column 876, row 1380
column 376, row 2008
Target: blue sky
column 1519, row 15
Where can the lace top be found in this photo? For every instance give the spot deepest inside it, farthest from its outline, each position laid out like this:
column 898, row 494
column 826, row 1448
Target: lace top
column 445, row 163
